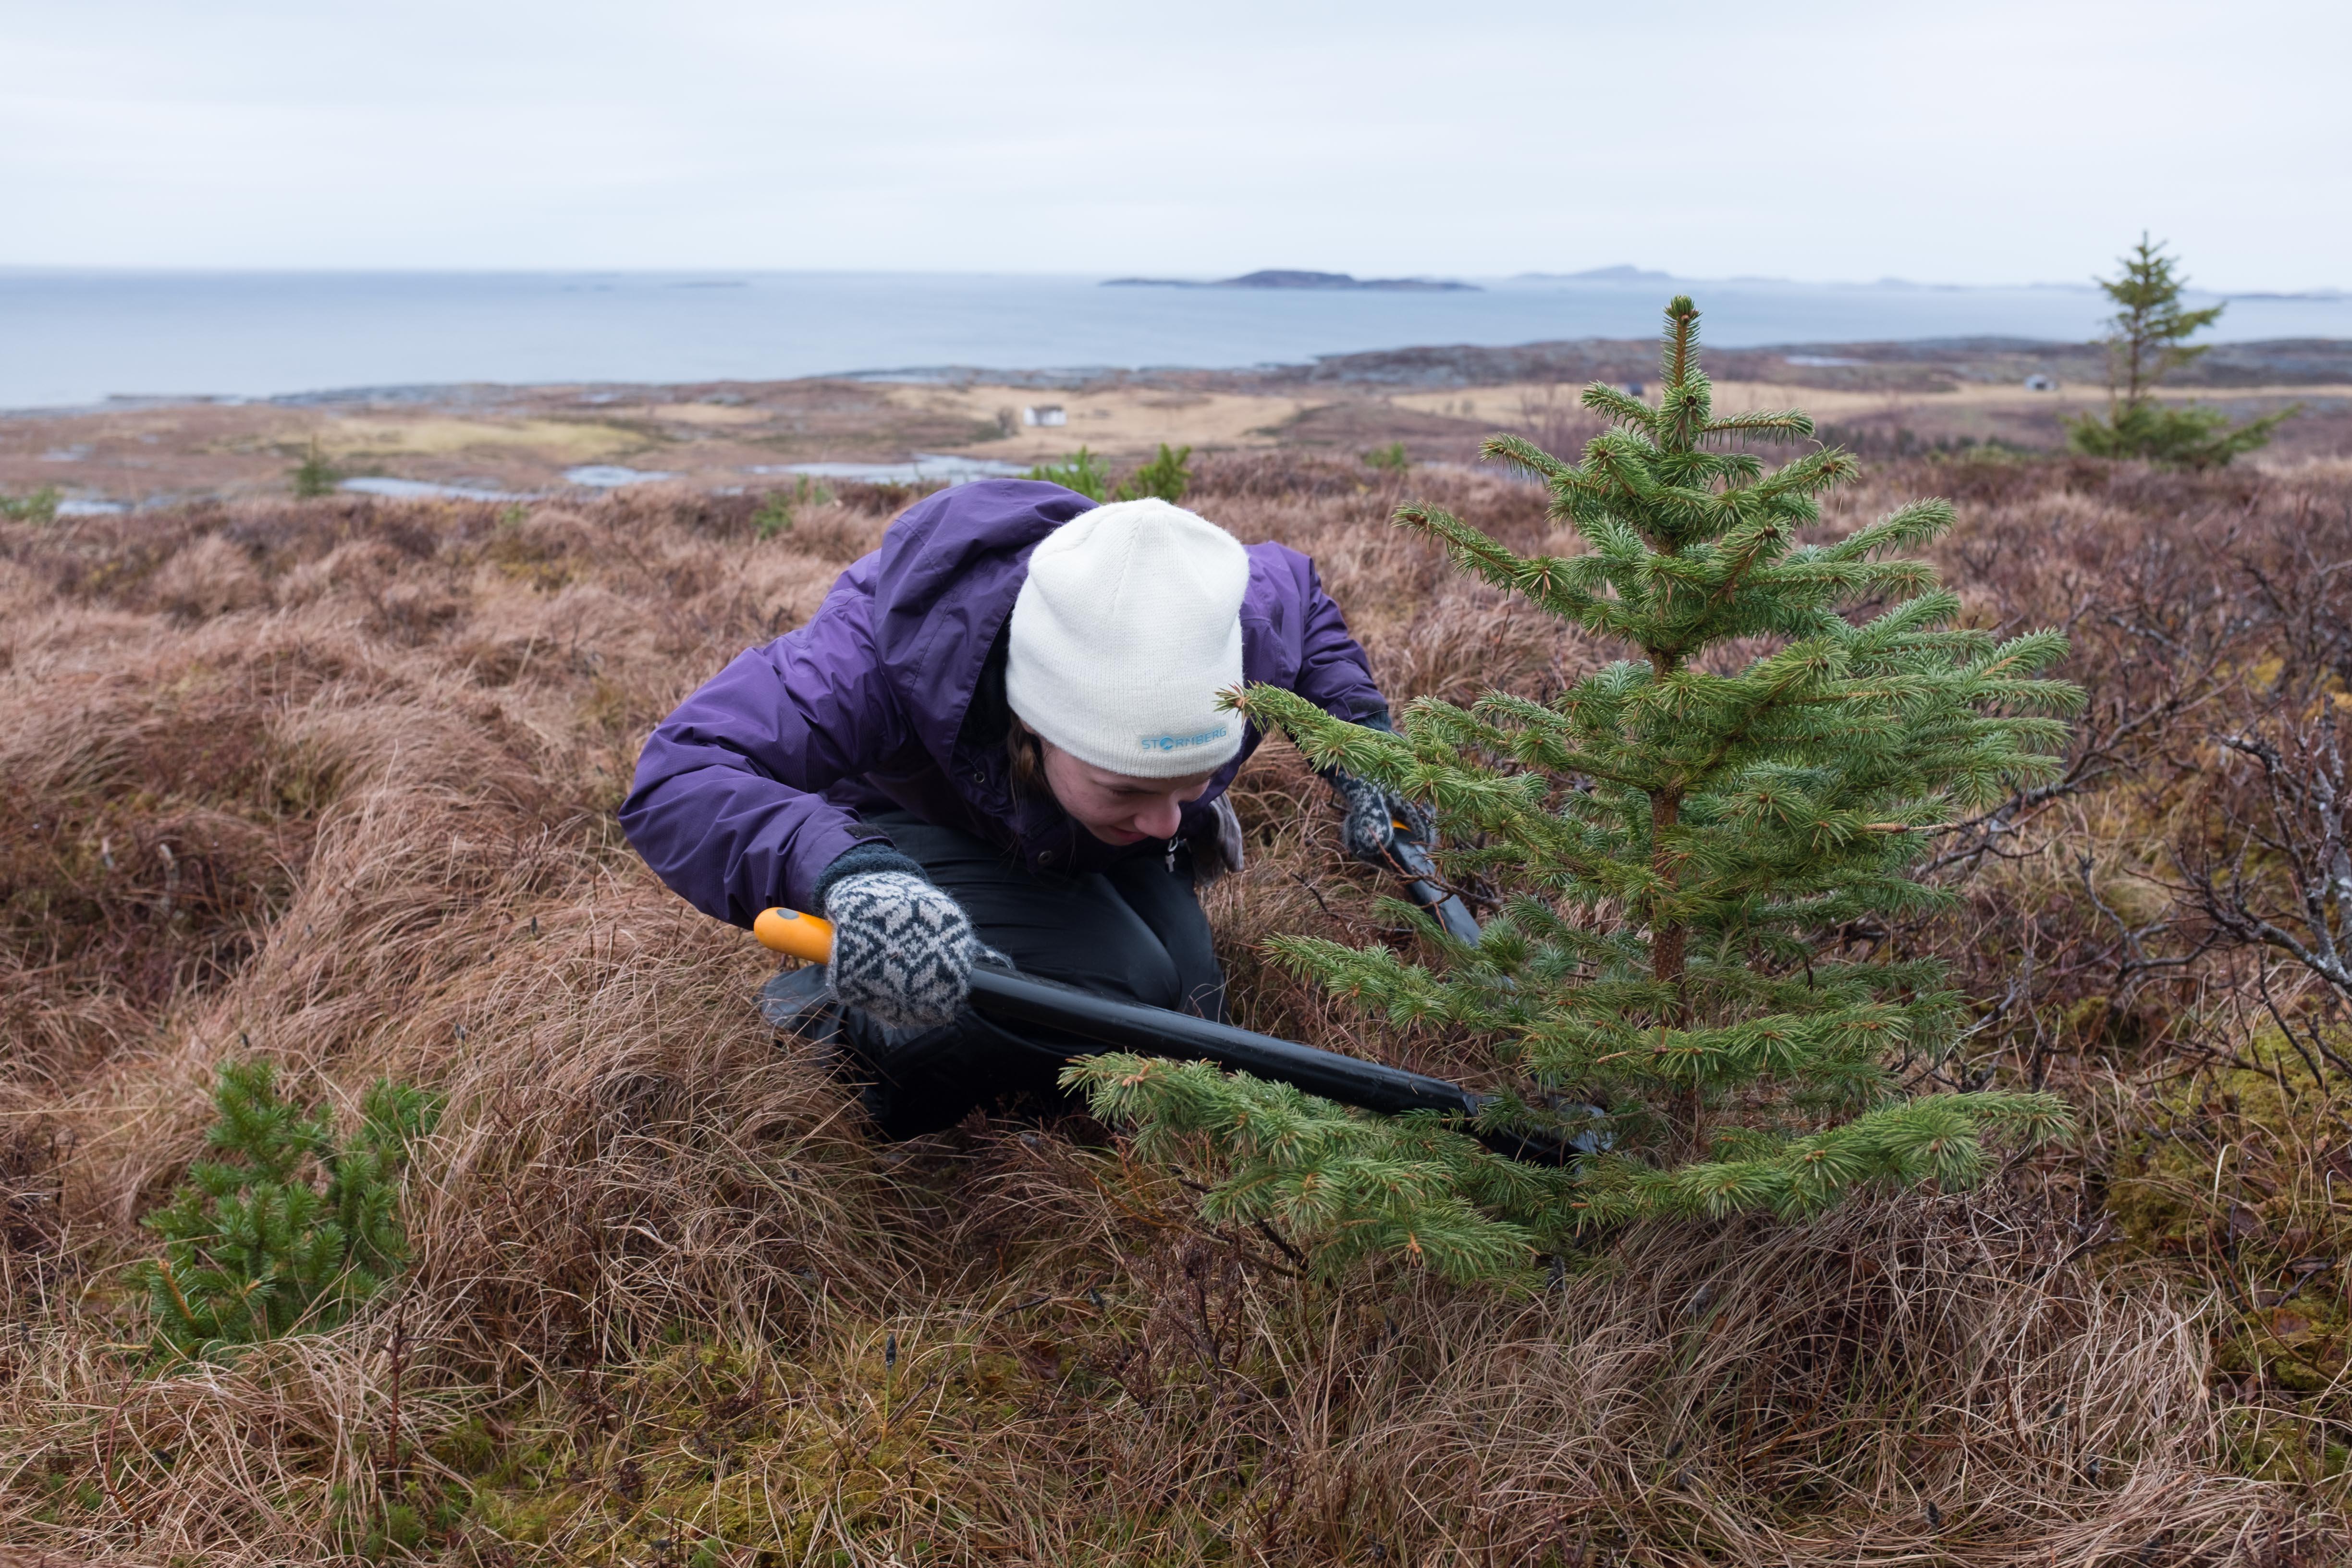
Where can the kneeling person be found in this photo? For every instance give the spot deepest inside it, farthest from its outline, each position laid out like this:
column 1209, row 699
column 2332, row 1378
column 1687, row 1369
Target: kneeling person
column 998, row 735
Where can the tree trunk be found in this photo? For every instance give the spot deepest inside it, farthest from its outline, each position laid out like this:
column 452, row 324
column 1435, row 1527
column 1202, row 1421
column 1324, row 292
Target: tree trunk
column 1668, row 941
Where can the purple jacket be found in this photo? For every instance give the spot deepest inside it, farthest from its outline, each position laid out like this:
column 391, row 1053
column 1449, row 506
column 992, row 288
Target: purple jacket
column 752, row 787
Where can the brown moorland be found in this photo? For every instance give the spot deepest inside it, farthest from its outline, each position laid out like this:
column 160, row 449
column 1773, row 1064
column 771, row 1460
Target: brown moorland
column 331, row 783
column 1440, row 401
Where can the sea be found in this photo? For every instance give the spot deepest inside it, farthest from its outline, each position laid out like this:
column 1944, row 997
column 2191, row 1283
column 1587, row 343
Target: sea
column 78, row 338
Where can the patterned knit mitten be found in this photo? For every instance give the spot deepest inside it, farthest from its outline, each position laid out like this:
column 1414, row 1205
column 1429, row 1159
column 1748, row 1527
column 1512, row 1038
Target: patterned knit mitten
column 1365, row 830
column 902, row 950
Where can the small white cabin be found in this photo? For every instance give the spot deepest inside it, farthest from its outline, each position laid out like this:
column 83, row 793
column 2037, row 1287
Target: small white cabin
column 1044, row 414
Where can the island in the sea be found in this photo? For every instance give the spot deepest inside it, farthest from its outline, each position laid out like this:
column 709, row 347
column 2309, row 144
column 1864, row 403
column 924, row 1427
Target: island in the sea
column 1279, row 278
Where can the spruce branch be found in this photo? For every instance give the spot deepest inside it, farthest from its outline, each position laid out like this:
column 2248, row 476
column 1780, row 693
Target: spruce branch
column 1790, row 426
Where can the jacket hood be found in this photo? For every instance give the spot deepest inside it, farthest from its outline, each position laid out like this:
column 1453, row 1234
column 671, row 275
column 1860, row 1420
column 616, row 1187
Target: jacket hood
column 944, row 583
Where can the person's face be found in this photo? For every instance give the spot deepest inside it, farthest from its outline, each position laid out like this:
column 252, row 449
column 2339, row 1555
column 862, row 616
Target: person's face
column 1118, row 808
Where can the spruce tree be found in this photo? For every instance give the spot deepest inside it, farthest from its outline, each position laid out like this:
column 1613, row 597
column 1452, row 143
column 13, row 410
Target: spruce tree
column 314, row 475
column 289, row 1228
column 2148, row 338
column 1704, row 853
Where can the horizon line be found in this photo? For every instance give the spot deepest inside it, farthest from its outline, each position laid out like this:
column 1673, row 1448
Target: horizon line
column 1616, row 273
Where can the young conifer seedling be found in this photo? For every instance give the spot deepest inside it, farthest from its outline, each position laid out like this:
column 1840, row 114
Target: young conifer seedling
column 289, row 1228
column 1701, row 847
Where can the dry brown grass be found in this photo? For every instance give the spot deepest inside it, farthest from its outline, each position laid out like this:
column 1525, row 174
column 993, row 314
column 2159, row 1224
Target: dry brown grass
column 332, row 783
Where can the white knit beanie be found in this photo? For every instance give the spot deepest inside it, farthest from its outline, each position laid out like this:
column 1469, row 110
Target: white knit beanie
column 1129, row 626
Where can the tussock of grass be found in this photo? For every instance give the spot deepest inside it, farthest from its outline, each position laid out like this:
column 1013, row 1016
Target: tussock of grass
column 669, row 1304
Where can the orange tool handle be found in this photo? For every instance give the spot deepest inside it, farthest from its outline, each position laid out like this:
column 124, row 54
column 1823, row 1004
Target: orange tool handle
column 790, row 931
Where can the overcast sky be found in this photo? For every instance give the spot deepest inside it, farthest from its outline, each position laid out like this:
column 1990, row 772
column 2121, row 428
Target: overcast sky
column 1974, row 141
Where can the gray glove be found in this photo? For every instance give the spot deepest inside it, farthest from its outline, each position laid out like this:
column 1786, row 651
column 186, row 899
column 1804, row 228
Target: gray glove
column 902, row 950
column 1217, row 844
column 1371, row 813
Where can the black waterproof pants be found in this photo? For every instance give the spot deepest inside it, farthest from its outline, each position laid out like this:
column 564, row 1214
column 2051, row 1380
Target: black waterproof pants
column 1135, row 933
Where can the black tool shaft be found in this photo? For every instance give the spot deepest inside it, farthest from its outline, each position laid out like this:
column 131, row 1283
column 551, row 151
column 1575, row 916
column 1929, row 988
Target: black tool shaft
column 1156, row 1031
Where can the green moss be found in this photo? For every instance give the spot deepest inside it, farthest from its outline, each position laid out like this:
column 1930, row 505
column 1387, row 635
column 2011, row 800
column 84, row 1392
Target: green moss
column 2264, row 1445
column 421, row 1514
column 2229, row 1178
column 470, row 1448
column 529, row 1517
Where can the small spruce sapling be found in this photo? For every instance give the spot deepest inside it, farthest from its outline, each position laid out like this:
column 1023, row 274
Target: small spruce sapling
column 1704, row 852
column 40, row 506
column 1165, row 477
column 2148, row 338
column 774, row 516
column 314, row 475
column 777, row 512
column 1081, row 473
column 289, row 1228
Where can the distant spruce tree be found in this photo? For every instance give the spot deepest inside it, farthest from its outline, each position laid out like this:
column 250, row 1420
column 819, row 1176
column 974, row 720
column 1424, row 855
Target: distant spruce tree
column 2148, row 338
column 1701, row 850
column 314, row 475
column 288, row 1226
column 41, row 506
